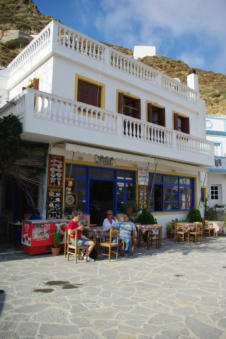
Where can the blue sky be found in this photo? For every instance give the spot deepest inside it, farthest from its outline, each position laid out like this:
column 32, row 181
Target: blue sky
column 190, row 30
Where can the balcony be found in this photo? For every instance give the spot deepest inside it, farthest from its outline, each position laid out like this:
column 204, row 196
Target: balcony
column 49, row 118
column 57, row 39
column 220, row 165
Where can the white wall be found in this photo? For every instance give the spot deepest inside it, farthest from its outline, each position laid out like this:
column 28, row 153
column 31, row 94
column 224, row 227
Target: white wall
column 217, row 179
column 45, row 75
column 64, row 73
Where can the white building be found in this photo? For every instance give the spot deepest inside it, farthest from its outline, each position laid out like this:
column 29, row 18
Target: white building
column 216, row 132
column 123, row 130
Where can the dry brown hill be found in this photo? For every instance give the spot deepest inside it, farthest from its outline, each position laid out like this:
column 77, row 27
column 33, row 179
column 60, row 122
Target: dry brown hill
column 25, row 16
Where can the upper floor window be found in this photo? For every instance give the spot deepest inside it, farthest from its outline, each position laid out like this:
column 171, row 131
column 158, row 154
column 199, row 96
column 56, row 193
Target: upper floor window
column 214, row 190
column 217, row 149
column 181, row 123
column 156, row 115
column 89, row 93
column 128, row 105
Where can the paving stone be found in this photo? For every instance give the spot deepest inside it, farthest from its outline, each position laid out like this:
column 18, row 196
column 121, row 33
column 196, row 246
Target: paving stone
column 27, row 329
column 55, row 330
column 203, row 330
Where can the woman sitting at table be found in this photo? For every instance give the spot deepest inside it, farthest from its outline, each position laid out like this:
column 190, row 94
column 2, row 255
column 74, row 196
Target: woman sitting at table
column 125, row 232
column 109, row 221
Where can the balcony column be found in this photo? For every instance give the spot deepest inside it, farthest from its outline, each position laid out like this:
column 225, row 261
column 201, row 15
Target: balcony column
column 107, row 56
column 143, row 113
column 28, row 108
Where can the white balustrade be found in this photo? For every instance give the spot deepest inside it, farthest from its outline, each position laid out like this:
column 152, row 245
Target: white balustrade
column 80, row 43
column 147, row 132
column 57, row 34
column 15, row 107
column 186, row 142
column 178, row 88
column 129, row 65
column 69, row 112
column 42, row 40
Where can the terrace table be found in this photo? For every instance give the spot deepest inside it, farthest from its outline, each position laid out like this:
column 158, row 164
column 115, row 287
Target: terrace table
column 152, row 231
column 97, row 233
column 218, row 226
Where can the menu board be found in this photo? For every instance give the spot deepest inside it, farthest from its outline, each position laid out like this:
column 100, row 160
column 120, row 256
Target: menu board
column 55, row 186
column 143, row 196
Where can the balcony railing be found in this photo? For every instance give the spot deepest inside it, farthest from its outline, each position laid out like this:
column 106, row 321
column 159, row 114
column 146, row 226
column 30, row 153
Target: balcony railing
column 58, row 35
column 48, row 107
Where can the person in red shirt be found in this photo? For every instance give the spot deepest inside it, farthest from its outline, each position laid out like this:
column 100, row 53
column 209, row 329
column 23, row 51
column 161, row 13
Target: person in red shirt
column 81, row 240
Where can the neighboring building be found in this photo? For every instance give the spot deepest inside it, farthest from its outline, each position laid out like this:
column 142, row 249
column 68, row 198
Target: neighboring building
column 216, row 132
column 118, row 130
column 11, row 34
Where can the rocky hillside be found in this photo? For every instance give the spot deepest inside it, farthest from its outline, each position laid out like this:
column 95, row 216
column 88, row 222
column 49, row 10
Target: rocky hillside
column 25, row 16
column 22, row 15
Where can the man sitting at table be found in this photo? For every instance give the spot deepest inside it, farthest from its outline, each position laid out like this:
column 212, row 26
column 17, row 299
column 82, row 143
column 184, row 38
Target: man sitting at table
column 81, row 240
column 109, row 221
column 125, row 232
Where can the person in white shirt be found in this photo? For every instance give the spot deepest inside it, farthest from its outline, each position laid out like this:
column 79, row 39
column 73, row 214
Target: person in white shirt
column 110, row 220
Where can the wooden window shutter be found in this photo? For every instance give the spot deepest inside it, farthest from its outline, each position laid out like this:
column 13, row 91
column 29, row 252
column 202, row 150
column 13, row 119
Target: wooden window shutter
column 175, row 121
column 162, row 119
column 186, row 128
column 120, row 102
column 149, row 112
column 89, row 93
column 35, row 83
column 138, row 109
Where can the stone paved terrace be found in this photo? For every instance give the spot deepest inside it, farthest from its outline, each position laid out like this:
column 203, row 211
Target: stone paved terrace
column 178, row 291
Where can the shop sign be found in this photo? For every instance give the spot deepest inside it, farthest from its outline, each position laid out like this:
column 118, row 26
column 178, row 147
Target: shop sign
column 142, row 176
column 101, row 160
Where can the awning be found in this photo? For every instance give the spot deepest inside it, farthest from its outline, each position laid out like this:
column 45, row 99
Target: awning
column 134, row 158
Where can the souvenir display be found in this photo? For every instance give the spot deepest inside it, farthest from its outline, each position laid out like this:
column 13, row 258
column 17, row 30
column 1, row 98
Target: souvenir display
column 56, row 170
column 55, row 186
column 142, row 196
column 71, row 198
column 54, row 203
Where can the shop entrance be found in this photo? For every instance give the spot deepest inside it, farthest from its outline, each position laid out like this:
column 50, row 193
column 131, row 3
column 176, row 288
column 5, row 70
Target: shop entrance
column 101, row 199
column 158, row 196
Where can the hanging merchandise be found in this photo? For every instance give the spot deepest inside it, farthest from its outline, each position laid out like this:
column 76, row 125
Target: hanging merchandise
column 55, row 186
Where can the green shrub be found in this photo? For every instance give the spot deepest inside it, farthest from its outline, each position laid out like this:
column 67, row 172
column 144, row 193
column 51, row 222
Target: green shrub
column 146, row 218
column 17, row 43
column 216, row 101
column 194, row 215
column 56, row 238
column 215, row 95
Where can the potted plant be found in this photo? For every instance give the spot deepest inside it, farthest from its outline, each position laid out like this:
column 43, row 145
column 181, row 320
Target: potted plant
column 194, row 215
column 146, row 218
column 56, row 242
column 168, row 230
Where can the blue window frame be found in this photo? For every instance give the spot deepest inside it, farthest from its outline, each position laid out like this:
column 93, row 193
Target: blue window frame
column 124, row 184
column 170, row 193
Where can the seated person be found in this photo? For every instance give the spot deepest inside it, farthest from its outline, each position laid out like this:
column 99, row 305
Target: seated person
column 125, row 232
column 109, row 221
column 81, row 240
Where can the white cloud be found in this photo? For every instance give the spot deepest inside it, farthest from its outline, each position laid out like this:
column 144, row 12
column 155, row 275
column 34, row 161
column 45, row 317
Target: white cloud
column 161, row 22
column 193, row 60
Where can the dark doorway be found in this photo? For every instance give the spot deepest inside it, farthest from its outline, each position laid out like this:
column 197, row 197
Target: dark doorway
column 158, row 197
column 101, row 199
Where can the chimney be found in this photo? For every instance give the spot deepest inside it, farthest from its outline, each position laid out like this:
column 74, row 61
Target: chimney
column 192, row 80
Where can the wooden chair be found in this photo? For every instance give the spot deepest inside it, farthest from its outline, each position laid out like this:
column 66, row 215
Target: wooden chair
column 208, row 228
column 156, row 236
column 65, row 241
column 76, row 250
column 198, row 232
column 110, row 245
column 132, row 244
column 179, row 232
